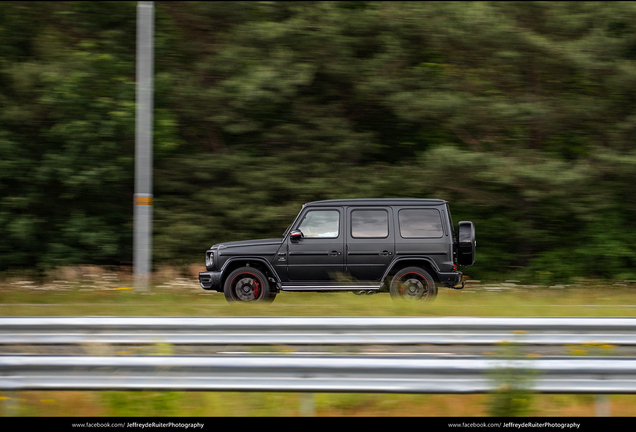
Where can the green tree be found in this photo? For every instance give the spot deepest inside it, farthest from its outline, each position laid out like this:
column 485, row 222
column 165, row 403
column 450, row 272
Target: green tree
column 520, row 114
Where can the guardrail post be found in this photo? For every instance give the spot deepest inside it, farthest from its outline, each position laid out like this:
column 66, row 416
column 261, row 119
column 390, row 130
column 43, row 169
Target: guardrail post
column 307, row 405
column 602, row 406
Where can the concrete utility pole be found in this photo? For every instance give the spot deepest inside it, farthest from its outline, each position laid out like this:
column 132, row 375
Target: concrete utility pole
column 142, row 238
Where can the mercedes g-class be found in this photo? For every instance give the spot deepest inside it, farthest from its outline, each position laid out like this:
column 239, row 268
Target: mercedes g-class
column 404, row 246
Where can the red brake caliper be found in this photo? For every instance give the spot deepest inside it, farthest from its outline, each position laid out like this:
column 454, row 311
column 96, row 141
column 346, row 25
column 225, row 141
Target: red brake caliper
column 402, row 286
column 257, row 288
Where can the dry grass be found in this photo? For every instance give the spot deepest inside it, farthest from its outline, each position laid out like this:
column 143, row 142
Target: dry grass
column 235, row 404
column 93, row 291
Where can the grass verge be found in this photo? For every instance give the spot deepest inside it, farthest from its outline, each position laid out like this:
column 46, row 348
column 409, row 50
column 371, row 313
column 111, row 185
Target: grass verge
column 109, row 294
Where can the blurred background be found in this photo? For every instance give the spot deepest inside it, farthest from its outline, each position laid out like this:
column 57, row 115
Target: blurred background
column 520, row 114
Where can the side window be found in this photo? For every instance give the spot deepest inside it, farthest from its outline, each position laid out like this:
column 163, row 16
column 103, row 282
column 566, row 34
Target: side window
column 320, row 224
column 369, row 224
column 420, row 223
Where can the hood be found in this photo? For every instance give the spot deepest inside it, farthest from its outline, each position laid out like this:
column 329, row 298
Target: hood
column 248, row 243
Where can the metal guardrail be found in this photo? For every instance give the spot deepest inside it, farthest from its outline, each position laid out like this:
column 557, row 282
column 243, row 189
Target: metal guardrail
column 323, row 374
column 377, row 374
column 318, row 330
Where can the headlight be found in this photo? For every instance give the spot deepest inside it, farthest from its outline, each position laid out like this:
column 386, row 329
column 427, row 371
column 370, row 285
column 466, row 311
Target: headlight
column 209, row 259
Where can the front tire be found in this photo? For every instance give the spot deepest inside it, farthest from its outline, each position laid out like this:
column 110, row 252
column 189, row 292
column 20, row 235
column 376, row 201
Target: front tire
column 247, row 284
column 413, row 283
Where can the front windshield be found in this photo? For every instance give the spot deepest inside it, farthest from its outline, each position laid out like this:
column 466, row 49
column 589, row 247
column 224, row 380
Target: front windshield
column 286, row 230
column 290, row 225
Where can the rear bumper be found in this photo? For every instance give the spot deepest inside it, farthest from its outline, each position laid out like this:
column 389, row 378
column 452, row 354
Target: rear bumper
column 210, row 280
column 450, row 279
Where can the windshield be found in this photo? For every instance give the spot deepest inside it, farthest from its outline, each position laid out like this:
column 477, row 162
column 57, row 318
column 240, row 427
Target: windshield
column 286, row 230
column 290, row 225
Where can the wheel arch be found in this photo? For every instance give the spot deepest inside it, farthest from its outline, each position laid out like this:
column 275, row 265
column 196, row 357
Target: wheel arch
column 400, row 263
column 256, row 262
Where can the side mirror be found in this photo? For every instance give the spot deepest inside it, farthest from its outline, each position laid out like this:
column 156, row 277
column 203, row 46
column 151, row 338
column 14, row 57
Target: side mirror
column 295, row 234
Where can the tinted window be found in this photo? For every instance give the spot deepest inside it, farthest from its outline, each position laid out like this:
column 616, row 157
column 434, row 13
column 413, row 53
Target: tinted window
column 369, row 223
column 418, row 223
column 320, row 224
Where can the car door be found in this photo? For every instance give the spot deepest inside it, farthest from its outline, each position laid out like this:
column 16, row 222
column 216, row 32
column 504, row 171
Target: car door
column 319, row 254
column 370, row 242
column 422, row 232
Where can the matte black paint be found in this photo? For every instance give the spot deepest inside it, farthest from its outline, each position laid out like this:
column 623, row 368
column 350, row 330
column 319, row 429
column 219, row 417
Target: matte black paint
column 347, row 262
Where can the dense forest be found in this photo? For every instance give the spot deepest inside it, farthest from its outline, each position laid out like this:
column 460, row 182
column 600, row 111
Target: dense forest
column 521, row 114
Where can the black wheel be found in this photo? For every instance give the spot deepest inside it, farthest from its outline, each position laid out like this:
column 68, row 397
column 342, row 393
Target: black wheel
column 247, row 284
column 413, row 283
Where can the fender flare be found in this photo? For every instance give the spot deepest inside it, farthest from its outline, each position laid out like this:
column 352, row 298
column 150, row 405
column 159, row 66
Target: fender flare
column 396, row 261
column 249, row 258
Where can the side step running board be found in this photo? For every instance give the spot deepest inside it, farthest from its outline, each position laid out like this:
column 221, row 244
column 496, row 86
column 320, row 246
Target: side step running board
column 287, row 287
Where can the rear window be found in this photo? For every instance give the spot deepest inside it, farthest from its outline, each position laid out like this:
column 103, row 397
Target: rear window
column 369, row 224
column 420, row 223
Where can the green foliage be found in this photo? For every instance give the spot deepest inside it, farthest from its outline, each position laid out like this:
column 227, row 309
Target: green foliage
column 142, row 403
column 521, row 114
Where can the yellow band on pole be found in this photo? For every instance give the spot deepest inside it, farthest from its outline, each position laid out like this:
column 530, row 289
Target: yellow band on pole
column 143, row 201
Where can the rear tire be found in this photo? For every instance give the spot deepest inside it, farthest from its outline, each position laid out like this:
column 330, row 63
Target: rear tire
column 247, row 284
column 413, row 283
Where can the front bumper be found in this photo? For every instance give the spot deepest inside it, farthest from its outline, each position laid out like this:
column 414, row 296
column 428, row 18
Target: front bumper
column 210, row 280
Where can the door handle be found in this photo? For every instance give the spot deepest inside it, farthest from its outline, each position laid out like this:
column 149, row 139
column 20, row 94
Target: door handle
column 334, row 253
column 385, row 253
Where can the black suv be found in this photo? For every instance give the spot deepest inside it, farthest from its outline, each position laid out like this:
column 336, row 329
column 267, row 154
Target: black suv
column 404, row 246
